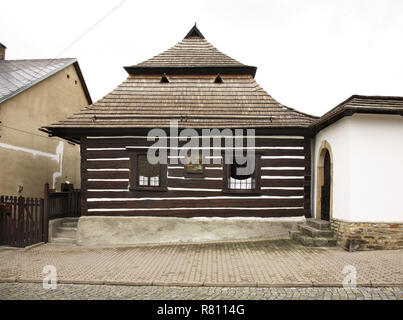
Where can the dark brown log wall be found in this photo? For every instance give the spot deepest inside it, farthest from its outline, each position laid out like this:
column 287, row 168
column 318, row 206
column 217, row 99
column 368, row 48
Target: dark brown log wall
column 285, row 183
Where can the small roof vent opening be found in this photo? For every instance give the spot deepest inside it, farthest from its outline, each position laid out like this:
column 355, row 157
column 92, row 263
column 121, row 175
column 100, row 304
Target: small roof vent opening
column 218, row 79
column 164, row 79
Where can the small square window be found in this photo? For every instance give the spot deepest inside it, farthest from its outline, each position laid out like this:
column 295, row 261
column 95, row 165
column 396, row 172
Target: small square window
column 146, row 176
column 236, row 182
column 240, row 182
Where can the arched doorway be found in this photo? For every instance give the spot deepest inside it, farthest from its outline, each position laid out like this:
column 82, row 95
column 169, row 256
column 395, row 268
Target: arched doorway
column 324, row 182
column 325, row 192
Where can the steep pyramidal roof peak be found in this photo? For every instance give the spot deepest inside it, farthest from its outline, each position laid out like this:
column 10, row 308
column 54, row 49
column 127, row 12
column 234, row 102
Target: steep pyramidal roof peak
column 194, row 32
column 193, row 55
column 192, row 83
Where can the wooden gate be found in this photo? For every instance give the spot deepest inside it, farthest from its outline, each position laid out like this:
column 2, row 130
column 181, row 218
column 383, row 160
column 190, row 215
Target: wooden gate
column 24, row 221
column 21, row 221
column 62, row 204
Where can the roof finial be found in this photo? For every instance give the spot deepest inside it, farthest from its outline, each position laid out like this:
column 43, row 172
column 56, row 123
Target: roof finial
column 194, row 32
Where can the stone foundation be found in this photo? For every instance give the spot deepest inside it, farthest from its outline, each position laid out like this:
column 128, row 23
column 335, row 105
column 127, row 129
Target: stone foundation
column 354, row 236
column 102, row 230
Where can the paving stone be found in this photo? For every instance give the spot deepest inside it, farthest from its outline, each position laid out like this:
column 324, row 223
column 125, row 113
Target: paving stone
column 281, row 263
column 12, row 291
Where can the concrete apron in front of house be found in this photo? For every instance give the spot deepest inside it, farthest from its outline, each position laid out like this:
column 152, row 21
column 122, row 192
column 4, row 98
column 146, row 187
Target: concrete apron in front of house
column 103, row 230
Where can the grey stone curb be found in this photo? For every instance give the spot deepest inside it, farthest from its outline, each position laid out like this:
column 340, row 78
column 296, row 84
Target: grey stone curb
column 312, row 284
column 285, row 285
column 33, row 246
column 8, row 280
column 174, row 243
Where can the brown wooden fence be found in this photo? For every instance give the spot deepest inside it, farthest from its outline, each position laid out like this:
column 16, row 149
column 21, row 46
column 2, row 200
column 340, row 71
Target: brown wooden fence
column 21, row 221
column 24, row 221
column 63, row 204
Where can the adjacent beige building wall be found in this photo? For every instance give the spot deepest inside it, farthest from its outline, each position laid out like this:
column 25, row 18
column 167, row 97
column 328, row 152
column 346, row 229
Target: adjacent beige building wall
column 28, row 157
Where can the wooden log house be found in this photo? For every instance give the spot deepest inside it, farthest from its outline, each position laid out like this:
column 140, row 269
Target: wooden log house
column 201, row 88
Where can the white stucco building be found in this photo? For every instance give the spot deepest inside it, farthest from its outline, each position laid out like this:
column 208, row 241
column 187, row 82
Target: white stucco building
column 357, row 171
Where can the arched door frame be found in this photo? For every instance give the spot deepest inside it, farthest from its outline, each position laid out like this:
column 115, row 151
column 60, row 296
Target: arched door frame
column 324, row 146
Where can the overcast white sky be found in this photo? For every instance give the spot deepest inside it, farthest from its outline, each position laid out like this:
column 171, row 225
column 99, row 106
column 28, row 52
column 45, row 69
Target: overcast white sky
column 310, row 54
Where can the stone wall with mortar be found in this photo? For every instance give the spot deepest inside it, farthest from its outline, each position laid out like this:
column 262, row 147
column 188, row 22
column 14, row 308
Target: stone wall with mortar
column 354, row 236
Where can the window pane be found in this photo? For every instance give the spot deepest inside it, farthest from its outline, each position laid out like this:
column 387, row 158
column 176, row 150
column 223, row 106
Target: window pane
column 148, row 174
column 234, row 171
column 143, row 181
column 142, row 166
column 240, row 182
column 154, row 170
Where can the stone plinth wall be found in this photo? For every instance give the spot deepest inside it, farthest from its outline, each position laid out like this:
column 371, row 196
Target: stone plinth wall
column 368, row 236
column 120, row 230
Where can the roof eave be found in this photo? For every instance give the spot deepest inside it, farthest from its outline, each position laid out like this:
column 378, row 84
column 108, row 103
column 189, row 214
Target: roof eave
column 136, row 70
column 73, row 134
column 349, row 111
column 83, row 83
column 52, row 134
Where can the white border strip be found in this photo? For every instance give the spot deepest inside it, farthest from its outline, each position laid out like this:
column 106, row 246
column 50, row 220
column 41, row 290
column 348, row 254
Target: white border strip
column 187, row 137
column 169, row 209
column 193, row 198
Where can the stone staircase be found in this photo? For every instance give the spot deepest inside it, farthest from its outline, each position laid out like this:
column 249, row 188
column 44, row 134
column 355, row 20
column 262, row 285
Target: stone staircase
column 314, row 233
column 66, row 232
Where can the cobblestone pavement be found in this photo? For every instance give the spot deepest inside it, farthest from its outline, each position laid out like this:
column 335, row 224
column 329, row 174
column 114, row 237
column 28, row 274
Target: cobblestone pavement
column 12, row 291
column 281, row 263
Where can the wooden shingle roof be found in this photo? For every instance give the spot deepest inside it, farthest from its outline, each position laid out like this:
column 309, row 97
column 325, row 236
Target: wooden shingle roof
column 360, row 104
column 193, row 54
column 181, row 84
column 195, row 101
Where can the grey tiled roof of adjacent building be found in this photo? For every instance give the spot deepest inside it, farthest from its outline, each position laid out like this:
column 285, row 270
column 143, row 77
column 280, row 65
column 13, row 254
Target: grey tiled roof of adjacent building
column 19, row 75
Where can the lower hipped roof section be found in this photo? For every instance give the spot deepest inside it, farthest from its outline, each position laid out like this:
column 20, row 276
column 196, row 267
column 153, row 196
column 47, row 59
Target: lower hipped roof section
column 195, row 101
column 360, row 104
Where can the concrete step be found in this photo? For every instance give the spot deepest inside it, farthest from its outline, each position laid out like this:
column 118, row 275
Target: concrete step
column 312, row 242
column 304, row 239
column 74, row 229
column 66, row 234
column 318, row 224
column 315, row 233
column 69, row 224
column 293, row 233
